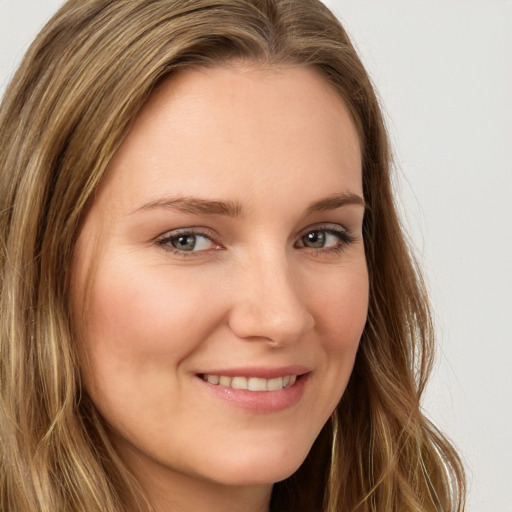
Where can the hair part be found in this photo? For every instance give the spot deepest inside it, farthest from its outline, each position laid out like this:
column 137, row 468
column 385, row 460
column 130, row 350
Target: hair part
column 77, row 92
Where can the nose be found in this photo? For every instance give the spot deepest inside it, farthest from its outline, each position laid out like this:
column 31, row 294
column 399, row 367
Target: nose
column 268, row 303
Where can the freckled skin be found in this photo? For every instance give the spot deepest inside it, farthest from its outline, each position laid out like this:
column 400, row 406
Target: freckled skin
column 273, row 140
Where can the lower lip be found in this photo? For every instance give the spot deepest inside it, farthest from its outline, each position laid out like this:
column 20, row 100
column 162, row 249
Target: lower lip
column 260, row 401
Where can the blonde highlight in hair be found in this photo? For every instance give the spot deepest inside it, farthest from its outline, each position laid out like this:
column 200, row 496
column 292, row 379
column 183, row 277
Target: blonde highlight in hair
column 75, row 95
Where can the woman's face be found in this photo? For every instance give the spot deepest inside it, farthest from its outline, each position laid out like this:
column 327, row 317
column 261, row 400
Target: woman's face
column 220, row 280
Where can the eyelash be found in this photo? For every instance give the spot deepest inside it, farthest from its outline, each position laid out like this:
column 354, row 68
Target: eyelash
column 343, row 236
column 165, row 242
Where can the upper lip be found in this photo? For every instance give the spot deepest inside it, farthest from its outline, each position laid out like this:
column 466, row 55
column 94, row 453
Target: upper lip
column 261, row 372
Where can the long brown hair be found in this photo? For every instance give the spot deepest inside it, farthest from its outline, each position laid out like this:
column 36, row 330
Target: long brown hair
column 79, row 88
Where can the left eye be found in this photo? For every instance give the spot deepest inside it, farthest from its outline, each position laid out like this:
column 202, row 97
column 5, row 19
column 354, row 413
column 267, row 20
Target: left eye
column 324, row 239
column 189, row 242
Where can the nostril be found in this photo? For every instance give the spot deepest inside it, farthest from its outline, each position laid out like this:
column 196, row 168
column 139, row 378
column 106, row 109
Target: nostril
column 269, row 305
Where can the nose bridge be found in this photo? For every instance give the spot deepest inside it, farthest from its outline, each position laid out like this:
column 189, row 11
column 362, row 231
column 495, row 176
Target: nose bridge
column 270, row 303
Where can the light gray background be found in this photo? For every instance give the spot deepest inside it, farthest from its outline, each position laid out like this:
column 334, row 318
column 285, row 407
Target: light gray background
column 444, row 72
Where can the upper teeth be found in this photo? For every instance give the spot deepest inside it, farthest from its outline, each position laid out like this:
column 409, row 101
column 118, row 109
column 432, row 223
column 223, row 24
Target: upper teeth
column 252, row 383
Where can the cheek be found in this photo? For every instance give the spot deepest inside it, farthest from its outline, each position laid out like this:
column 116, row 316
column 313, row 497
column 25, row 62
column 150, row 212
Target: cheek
column 144, row 309
column 141, row 322
column 342, row 308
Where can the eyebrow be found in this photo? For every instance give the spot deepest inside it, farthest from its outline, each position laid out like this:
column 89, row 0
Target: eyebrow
column 199, row 206
column 195, row 205
column 335, row 201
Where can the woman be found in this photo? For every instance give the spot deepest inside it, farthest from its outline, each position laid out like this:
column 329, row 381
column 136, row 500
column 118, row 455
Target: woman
column 207, row 301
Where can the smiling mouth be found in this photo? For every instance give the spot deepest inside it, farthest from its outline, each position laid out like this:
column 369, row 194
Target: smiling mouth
column 251, row 383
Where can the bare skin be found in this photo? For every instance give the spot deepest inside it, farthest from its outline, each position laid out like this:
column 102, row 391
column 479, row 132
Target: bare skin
column 227, row 241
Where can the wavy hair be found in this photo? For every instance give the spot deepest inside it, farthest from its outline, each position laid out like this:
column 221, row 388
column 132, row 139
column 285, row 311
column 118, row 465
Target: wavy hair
column 79, row 88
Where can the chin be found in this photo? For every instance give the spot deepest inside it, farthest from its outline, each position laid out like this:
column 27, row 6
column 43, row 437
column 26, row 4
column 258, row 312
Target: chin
column 263, row 468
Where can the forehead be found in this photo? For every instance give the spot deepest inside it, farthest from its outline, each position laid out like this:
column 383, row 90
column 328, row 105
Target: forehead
column 223, row 129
